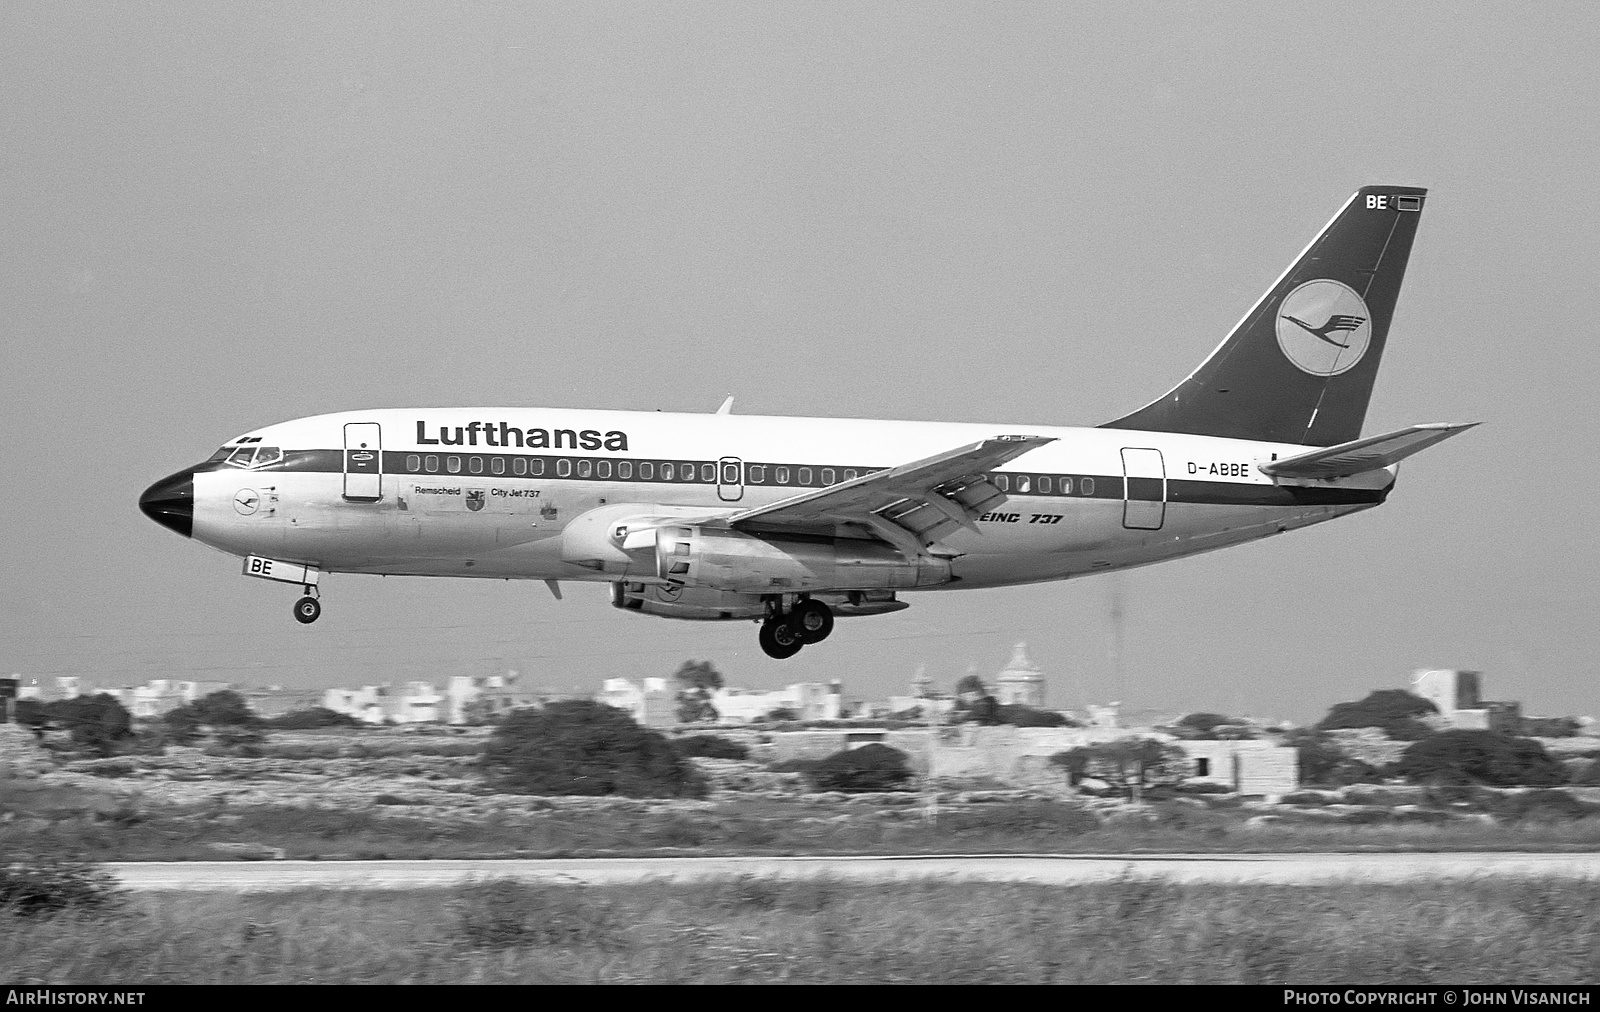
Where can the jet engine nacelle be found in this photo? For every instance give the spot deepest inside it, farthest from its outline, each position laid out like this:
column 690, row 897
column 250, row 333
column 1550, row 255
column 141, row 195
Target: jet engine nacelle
column 599, row 539
column 719, row 559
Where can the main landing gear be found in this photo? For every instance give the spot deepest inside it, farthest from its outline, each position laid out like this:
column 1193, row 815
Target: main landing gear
column 308, row 609
column 783, row 635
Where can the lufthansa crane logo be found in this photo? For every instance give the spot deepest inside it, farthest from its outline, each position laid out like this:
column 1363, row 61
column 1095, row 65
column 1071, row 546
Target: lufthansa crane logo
column 246, row 501
column 1324, row 327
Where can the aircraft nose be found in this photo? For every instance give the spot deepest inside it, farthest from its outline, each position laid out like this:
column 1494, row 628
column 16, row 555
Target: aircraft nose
column 170, row 502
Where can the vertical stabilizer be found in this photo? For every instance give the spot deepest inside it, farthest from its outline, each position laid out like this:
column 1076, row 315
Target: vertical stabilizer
column 1299, row 367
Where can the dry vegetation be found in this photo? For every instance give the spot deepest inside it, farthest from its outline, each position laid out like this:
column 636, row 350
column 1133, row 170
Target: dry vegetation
column 757, row 931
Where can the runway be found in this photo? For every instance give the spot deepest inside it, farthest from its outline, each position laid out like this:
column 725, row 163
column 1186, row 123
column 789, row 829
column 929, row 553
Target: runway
column 1222, row 869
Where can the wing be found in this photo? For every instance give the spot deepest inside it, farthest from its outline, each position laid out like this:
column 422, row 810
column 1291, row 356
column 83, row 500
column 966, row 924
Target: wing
column 1364, row 454
column 911, row 506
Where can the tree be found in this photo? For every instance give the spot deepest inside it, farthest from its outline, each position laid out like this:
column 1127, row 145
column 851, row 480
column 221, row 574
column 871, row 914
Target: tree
column 781, row 713
column 1125, row 763
column 1018, row 715
column 868, row 768
column 1321, row 762
column 1379, row 709
column 97, row 722
column 985, row 710
column 1211, row 727
column 696, row 681
column 971, row 685
column 225, row 708
column 1480, row 757
column 579, row 746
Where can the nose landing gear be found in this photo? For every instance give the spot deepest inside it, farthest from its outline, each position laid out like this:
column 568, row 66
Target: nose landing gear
column 308, row 609
column 782, row 635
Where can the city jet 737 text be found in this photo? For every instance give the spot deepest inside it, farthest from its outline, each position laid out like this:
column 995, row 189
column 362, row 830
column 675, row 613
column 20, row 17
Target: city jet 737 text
column 792, row 522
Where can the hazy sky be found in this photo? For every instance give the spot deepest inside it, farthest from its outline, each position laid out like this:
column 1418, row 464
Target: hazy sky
column 217, row 216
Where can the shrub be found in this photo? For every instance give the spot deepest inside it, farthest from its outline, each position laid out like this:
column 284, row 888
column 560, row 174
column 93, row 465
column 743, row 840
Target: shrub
column 868, row 768
column 1480, row 757
column 579, row 746
column 710, row 746
column 48, row 886
column 315, row 717
column 506, row 915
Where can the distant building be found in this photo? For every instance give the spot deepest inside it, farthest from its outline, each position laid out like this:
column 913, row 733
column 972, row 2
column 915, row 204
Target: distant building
column 653, row 704
column 807, row 700
column 1251, row 767
column 275, row 701
column 1020, row 681
column 413, row 703
column 489, row 695
column 1458, row 695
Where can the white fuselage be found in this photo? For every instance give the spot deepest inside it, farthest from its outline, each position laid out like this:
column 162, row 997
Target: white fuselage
column 453, row 499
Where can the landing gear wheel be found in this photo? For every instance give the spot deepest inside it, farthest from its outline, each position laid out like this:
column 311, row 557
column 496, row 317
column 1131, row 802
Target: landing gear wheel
column 813, row 619
column 306, row 610
column 779, row 639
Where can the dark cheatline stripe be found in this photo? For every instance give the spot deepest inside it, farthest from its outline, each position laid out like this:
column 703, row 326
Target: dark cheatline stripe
column 1106, row 486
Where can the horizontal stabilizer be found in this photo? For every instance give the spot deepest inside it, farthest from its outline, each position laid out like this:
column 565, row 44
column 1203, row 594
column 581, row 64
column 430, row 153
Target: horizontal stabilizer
column 1368, row 454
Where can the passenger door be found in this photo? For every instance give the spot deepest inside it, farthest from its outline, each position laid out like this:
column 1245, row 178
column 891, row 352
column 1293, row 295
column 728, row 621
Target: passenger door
column 1144, row 489
column 363, row 462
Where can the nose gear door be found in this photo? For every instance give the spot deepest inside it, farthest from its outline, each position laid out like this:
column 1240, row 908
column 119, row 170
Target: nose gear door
column 363, row 462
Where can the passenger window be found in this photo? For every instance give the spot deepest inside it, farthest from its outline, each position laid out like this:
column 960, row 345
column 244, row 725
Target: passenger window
column 431, row 464
column 624, row 469
column 1024, row 484
column 563, row 467
column 475, row 465
column 666, row 471
column 602, row 469
column 519, row 466
column 730, row 474
column 755, row 474
column 1044, row 484
column 783, row 476
column 585, row 467
column 497, row 465
column 805, row 476
column 413, row 463
column 827, row 476
column 686, row 472
column 708, row 473
column 647, row 470
column 452, row 464
column 536, row 466
column 1086, row 485
column 1066, row 485
column 849, row 474
column 1001, row 482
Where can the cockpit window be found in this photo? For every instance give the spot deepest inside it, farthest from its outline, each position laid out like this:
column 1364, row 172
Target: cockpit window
column 253, row 456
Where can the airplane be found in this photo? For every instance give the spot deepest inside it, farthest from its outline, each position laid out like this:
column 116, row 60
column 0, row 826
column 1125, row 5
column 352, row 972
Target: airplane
column 793, row 522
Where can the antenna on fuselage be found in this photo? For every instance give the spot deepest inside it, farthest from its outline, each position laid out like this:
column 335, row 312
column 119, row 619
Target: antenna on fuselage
column 727, row 406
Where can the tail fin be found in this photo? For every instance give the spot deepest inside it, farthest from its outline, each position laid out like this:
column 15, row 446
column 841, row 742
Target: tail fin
column 1299, row 367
